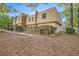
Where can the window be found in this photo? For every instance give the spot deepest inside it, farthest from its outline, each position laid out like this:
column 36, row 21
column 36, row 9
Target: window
column 43, row 15
column 29, row 19
column 32, row 18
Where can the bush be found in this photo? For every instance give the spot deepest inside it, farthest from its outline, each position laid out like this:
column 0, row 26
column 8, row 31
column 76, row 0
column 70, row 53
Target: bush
column 2, row 30
column 70, row 30
column 53, row 30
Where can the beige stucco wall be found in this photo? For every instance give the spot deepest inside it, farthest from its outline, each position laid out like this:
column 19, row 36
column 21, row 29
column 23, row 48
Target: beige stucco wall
column 51, row 16
column 13, row 23
column 31, row 22
column 58, row 17
column 21, row 20
column 18, row 20
column 19, row 24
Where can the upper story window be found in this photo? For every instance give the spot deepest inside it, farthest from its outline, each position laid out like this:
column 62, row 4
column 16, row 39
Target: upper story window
column 29, row 19
column 44, row 16
column 32, row 18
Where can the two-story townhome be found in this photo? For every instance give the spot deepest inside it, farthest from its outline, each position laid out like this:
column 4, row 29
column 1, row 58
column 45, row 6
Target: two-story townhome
column 42, row 22
column 19, row 22
column 45, row 21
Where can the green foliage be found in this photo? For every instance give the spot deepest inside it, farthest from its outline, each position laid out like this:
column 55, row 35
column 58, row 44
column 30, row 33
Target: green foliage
column 4, row 21
column 70, row 30
column 4, row 8
column 66, row 13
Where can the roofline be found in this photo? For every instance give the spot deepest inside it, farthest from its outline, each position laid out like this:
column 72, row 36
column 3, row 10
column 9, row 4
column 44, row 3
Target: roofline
column 39, row 12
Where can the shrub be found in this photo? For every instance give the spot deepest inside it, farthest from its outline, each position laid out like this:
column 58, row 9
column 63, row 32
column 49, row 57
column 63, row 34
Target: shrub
column 53, row 30
column 70, row 30
column 1, row 31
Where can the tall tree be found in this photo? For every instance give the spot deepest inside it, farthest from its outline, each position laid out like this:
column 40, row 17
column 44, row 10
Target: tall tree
column 5, row 8
column 67, row 11
column 5, row 20
column 71, row 13
column 78, row 19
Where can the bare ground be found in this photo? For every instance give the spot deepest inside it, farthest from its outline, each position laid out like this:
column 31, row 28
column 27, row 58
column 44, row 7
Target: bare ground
column 12, row 44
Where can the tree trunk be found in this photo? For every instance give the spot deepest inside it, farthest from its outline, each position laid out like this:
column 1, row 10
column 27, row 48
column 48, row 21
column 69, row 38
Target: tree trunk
column 71, row 14
column 36, row 20
column 78, row 19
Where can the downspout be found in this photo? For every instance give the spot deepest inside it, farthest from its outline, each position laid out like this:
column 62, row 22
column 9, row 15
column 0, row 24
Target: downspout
column 78, row 19
column 36, row 20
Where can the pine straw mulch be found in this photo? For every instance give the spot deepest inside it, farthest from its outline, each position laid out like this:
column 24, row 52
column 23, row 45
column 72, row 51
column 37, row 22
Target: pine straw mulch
column 12, row 44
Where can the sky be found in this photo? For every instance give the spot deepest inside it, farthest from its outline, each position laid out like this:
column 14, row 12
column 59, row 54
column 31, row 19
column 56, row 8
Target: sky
column 28, row 10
